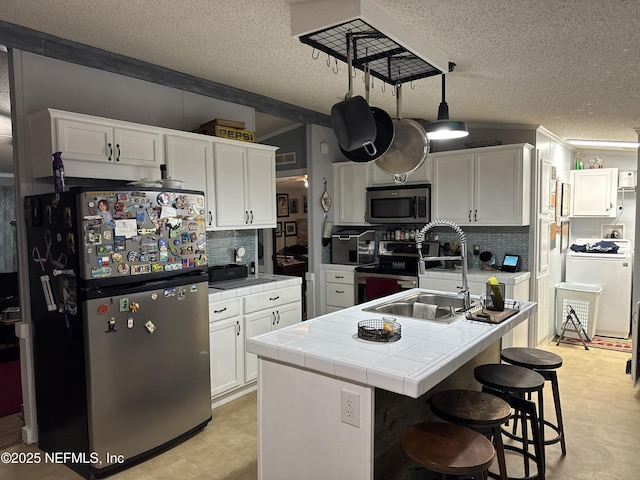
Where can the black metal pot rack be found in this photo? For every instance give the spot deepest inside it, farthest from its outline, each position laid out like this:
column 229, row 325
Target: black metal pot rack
column 387, row 60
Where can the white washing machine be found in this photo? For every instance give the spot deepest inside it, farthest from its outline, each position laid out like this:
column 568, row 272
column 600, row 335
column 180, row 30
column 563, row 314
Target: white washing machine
column 611, row 271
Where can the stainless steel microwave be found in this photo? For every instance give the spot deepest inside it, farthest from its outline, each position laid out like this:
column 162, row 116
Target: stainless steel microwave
column 399, row 204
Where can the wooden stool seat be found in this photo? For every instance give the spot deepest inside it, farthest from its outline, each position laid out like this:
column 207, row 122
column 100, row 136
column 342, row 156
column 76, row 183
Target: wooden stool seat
column 509, row 378
column 447, row 448
column 533, row 358
column 512, row 382
column 481, row 411
column 545, row 363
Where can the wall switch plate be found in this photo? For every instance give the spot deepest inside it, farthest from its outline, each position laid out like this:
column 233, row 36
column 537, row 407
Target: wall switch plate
column 350, row 408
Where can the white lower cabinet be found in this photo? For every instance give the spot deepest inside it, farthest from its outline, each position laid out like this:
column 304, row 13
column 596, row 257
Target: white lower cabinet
column 231, row 322
column 340, row 290
column 268, row 311
column 226, row 345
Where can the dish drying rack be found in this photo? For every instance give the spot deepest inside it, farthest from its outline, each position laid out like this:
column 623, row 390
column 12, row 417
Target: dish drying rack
column 511, row 307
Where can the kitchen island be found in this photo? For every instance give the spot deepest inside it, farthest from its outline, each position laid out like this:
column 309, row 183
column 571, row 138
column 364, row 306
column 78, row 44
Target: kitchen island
column 332, row 405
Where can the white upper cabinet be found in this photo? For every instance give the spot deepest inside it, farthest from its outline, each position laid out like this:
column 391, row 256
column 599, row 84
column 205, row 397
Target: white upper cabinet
column 483, row 186
column 594, row 192
column 189, row 157
column 94, row 147
column 380, row 177
column 245, row 185
column 351, row 180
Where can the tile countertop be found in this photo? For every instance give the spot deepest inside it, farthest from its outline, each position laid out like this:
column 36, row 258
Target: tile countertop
column 272, row 282
column 478, row 275
column 427, row 353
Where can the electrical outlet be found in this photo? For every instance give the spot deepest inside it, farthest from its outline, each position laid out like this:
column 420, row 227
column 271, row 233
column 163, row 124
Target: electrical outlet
column 350, row 408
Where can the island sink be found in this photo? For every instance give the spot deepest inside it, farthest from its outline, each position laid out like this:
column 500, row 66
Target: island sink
column 424, row 306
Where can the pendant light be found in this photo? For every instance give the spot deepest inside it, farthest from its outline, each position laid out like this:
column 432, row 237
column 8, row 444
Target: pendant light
column 443, row 128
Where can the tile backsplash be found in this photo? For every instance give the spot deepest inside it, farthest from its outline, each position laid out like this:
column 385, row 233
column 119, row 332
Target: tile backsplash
column 497, row 240
column 221, row 246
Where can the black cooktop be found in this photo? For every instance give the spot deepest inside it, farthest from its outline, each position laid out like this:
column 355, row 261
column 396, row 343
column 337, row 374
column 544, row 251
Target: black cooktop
column 406, row 270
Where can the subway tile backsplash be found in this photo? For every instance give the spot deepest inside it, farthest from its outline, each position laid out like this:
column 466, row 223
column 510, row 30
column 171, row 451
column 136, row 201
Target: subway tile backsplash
column 221, row 246
column 497, row 240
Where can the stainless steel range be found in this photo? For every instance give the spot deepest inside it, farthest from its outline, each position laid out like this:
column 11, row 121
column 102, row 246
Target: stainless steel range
column 396, row 269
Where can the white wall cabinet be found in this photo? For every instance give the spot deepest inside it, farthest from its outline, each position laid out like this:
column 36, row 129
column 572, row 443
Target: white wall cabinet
column 245, row 186
column 189, row 157
column 268, row 311
column 483, row 186
column 594, row 192
column 379, row 177
column 226, row 345
column 94, row 147
column 351, row 180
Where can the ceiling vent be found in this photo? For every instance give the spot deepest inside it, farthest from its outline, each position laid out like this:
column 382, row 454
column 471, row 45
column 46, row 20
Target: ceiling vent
column 393, row 53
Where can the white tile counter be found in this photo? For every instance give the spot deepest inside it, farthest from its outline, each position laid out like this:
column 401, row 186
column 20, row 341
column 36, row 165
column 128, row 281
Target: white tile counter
column 477, row 275
column 427, row 353
column 272, row 282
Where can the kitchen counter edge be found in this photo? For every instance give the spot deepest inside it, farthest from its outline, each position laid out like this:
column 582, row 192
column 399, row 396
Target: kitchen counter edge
column 275, row 282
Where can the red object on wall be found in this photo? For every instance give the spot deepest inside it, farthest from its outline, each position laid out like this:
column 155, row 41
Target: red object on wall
column 10, row 388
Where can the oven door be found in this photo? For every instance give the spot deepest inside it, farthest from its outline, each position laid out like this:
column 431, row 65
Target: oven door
column 364, row 294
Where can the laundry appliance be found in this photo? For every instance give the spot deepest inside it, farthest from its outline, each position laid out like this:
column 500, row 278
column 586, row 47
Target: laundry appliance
column 611, row 271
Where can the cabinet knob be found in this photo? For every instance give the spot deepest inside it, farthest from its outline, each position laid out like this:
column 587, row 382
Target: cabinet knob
column 220, row 311
column 118, row 156
column 251, row 212
column 110, row 151
column 274, row 298
column 238, row 328
column 469, row 215
column 475, row 215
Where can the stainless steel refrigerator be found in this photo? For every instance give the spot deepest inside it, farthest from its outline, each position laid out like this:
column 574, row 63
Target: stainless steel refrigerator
column 118, row 287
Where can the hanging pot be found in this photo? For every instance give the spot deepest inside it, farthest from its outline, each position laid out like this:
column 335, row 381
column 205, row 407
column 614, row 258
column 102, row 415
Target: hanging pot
column 352, row 119
column 409, row 148
column 384, row 131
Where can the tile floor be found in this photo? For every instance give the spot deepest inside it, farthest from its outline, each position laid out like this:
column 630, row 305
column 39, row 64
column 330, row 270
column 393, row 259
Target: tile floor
column 601, row 412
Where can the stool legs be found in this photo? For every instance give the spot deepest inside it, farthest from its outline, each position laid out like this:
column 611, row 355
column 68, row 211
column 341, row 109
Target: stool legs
column 552, row 376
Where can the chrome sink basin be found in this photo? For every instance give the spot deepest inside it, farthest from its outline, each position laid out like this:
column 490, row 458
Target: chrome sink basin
column 448, row 308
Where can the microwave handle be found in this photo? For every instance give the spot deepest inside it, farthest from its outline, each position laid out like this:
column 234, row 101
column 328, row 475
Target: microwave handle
column 414, row 213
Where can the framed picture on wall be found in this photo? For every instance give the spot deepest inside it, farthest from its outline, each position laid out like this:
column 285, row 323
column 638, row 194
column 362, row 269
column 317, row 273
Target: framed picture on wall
column 304, row 204
column 566, row 200
column 278, row 229
column 293, row 205
column 290, row 229
column 283, row 204
column 564, row 236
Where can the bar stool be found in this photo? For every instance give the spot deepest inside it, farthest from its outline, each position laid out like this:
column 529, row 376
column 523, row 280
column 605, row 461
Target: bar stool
column 481, row 411
column 448, row 449
column 545, row 363
column 512, row 382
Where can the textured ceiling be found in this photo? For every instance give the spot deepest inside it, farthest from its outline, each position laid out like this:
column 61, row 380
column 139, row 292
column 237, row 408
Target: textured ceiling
column 569, row 65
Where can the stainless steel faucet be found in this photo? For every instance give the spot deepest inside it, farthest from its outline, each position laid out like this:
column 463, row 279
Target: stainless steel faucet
column 464, row 290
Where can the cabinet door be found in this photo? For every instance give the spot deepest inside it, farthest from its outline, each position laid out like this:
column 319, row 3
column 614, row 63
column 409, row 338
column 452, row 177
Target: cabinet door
column 453, row 187
column 261, row 188
column 350, row 188
column 379, row 177
column 80, row 140
column 229, row 172
column 191, row 160
column 256, row 324
column 288, row 315
column 594, row 192
column 226, row 349
column 137, row 147
column 498, row 188
column 186, row 160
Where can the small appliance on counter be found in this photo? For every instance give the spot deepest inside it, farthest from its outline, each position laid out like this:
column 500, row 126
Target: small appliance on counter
column 223, row 273
column 353, row 247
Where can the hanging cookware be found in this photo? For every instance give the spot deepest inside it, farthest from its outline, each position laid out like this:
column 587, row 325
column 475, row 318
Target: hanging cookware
column 384, row 131
column 352, row 120
column 409, row 148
